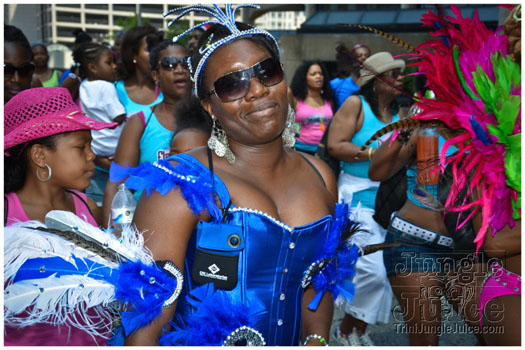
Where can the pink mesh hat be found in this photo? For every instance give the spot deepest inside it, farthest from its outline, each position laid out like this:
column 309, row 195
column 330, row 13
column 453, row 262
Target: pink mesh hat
column 41, row 112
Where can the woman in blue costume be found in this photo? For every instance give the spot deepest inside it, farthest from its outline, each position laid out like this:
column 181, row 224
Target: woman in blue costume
column 269, row 210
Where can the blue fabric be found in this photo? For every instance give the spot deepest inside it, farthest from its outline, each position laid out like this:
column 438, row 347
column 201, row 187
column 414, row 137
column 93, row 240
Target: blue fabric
column 304, row 147
column 416, row 255
column 64, row 76
column 38, row 268
column 131, row 106
column 154, row 144
column 262, row 264
column 412, row 177
column 360, row 169
column 342, row 88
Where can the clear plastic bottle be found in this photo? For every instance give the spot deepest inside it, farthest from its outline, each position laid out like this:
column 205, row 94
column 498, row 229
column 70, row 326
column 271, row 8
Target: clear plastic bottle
column 122, row 208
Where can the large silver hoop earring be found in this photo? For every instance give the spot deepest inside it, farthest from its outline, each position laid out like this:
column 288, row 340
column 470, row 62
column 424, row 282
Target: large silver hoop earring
column 48, row 176
column 288, row 132
column 218, row 142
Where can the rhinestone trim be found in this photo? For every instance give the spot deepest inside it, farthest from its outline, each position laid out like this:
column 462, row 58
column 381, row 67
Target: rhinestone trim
column 313, row 269
column 258, row 212
column 252, row 337
column 172, row 269
column 188, row 178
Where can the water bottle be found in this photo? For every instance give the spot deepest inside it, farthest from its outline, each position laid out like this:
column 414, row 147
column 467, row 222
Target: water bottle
column 122, row 208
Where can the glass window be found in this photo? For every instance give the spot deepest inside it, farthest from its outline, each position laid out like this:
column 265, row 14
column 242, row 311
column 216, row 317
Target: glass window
column 96, row 6
column 68, row 17
column 125, row 7
column 77, row 6
column 96, row 19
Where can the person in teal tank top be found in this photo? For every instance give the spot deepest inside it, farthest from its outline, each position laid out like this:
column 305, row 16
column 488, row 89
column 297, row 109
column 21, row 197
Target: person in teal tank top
column 426, row 247
column 361, row 115
column 146, row 136
column 136, row 90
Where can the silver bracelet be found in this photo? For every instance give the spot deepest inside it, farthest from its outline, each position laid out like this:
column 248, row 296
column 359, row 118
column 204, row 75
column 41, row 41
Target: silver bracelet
column 321, row 339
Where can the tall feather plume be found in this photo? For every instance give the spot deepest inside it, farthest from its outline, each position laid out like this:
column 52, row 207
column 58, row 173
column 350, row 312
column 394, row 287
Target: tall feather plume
column 376, row 76
column 388, row 36
column 410, row 123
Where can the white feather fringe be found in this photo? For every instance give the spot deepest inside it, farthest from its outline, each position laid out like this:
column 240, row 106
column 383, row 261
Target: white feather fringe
column 73, row 300
column 61, row 300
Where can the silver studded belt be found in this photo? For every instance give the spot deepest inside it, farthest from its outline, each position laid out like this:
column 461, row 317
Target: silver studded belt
column 419, row 232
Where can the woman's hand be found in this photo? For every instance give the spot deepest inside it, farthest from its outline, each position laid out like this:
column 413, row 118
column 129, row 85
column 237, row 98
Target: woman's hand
column 127, row 154
column 388, row 159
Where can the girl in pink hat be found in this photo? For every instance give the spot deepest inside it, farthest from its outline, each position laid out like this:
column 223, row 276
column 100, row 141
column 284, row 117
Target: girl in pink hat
column 48, row 162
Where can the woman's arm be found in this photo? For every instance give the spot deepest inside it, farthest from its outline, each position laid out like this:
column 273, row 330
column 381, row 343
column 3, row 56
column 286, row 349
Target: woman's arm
column 343, row 127
column 168, row 224
column 318, row 321
column 127, row 154
column 388, row 159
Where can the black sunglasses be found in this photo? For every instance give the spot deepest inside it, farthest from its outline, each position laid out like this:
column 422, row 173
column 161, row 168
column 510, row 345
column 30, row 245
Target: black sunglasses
column 24, row 70
column 236, row 85
column 170, row 63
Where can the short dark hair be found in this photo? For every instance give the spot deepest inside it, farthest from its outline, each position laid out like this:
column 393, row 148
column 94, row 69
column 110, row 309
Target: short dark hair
column 219, row 32
column 298, row 84
column 87, row 53
column 154, row 55
column 130, row 45
column 191, row 115
column 16, row 163
column 14, row 35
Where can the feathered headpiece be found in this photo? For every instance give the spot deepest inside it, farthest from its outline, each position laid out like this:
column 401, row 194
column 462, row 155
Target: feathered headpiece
column 61, row 270
column 224, row 18
column 478, row 94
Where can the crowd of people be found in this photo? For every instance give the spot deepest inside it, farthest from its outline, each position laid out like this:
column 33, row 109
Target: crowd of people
column 232, row 192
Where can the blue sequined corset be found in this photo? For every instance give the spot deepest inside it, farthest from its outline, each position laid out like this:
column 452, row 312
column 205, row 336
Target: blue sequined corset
column 271, row 264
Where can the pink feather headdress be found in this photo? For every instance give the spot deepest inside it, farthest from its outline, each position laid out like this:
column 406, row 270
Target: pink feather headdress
column 477, row 91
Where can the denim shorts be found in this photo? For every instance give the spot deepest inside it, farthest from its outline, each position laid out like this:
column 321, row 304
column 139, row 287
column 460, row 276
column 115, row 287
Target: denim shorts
column 415, row 255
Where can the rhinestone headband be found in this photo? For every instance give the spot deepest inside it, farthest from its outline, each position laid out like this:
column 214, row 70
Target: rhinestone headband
column 225, row 18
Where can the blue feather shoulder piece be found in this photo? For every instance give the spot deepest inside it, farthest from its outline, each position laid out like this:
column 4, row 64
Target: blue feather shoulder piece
column 195, row 183
column 218, row 317
column 335, row 266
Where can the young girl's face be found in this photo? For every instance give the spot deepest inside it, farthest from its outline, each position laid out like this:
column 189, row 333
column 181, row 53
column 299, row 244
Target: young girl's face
column 105, row 67
column 72, row 160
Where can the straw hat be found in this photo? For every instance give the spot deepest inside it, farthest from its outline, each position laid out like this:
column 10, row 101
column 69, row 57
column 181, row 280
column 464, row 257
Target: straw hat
column 378, row 63
column 42, row 112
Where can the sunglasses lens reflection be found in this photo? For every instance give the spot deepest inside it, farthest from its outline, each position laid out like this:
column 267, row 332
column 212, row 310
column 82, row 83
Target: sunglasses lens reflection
column 236, row 85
